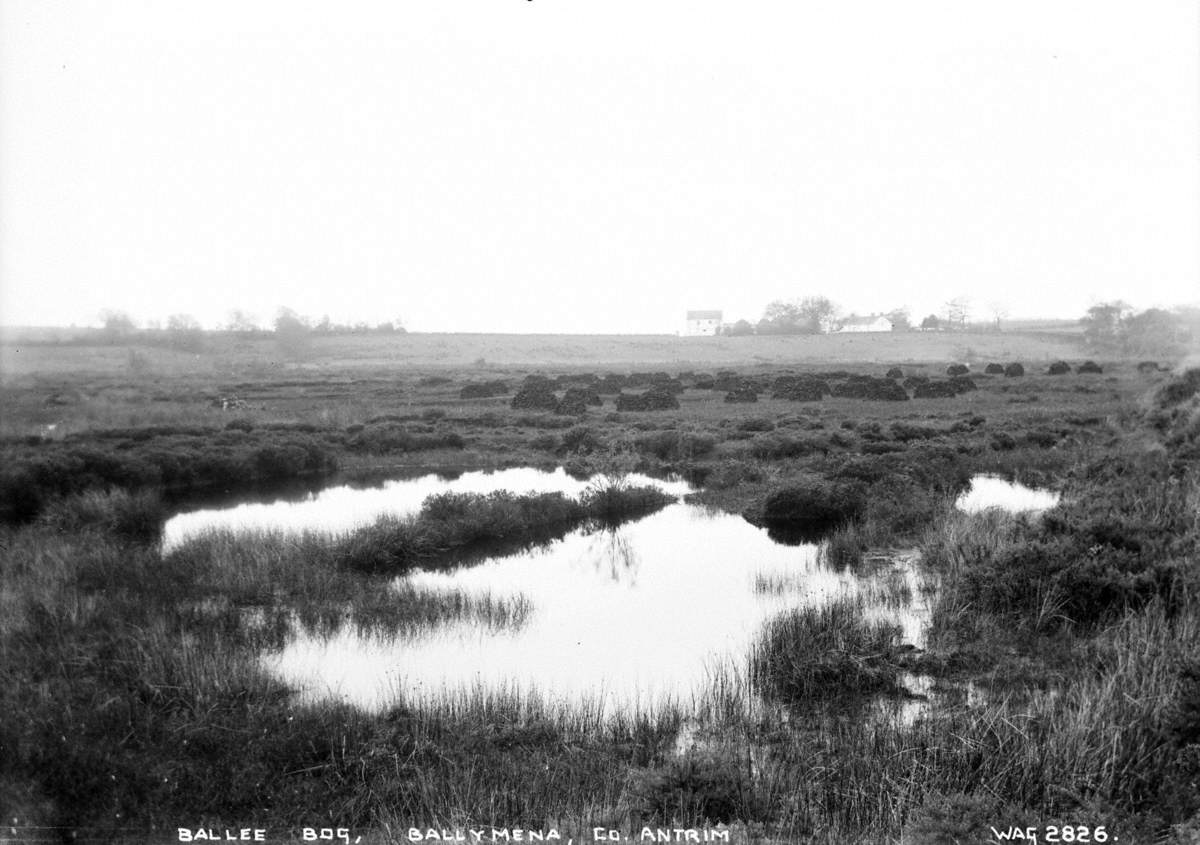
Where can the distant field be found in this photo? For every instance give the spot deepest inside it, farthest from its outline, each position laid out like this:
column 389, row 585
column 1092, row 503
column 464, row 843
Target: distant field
column 227, row 355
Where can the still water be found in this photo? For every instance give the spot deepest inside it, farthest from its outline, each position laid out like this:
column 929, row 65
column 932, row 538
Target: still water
column 653, row 612
column 342, row 509
column 990, row 491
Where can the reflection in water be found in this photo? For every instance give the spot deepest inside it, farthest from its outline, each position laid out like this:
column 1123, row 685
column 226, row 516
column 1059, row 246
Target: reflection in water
column 343, row 509
column 990, row 491
column 627, row 618
column 666, row 609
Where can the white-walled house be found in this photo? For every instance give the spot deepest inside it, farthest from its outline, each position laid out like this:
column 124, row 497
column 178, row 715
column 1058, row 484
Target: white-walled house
column 874, row 323
column 703, row 323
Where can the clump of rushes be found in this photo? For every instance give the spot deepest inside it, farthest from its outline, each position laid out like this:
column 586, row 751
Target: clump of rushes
column 612, row 500
column 132, row 515
column 818, row 653
column 451, row 521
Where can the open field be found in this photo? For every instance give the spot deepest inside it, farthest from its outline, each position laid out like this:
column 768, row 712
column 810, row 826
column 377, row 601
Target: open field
column 25, row 353
column 138, row 703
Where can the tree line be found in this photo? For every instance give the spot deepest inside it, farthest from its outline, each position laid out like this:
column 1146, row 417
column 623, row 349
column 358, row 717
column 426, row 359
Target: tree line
column 820, row 315
column 1115, row 327
column 185, row 332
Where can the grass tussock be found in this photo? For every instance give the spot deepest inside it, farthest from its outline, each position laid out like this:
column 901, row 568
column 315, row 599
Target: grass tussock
column 133, row 515
column 817, row 653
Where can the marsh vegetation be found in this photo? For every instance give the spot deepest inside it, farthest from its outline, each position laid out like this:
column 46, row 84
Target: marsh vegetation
column 795, row 616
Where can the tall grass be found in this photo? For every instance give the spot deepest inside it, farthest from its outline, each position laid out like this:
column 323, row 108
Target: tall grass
column 824, row 652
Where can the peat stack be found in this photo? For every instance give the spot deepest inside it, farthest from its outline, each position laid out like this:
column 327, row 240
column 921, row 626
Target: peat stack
column 586, row 395
column 799, row 389
column 611, row 384
column 961, row 384
column 895, row 372
column 1089, row 367
column 914, row 381
column 1014, row 371
column 994, row 370
column 1059, row 368
column 572, row 404
column 535, row 397
column 957, row 370
column 654, row 399
column 870, row 387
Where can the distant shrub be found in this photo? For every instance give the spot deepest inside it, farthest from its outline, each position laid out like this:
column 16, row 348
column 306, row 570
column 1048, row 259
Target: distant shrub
column 581, row 439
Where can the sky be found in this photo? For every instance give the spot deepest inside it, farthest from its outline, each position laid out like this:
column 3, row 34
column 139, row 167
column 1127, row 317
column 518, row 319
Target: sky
column 572, row 166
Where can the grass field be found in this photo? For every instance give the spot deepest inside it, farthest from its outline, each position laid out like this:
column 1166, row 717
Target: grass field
column 136, row 702
column 225, row 355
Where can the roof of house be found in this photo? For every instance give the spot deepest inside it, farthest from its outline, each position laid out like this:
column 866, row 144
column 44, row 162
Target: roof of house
column 865, row 321
column 704, row 315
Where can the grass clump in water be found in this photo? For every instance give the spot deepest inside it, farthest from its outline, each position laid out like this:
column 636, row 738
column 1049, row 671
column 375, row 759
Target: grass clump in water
column 819, row 653
column 456, row 521
column 612, row 500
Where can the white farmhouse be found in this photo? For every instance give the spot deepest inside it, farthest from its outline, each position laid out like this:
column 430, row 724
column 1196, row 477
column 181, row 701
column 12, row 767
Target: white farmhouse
column 874, row 323
column 703, row 323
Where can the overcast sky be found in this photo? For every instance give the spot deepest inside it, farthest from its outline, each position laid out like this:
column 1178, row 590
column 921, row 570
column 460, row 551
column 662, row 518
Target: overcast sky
column 580, row 166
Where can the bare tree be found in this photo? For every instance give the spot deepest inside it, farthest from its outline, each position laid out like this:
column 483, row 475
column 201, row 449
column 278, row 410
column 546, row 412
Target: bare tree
column 958, row 310
column 999, row 312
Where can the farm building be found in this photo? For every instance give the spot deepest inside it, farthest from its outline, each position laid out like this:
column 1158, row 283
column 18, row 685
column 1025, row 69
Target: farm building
column 703, row 322
column 875, row 323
